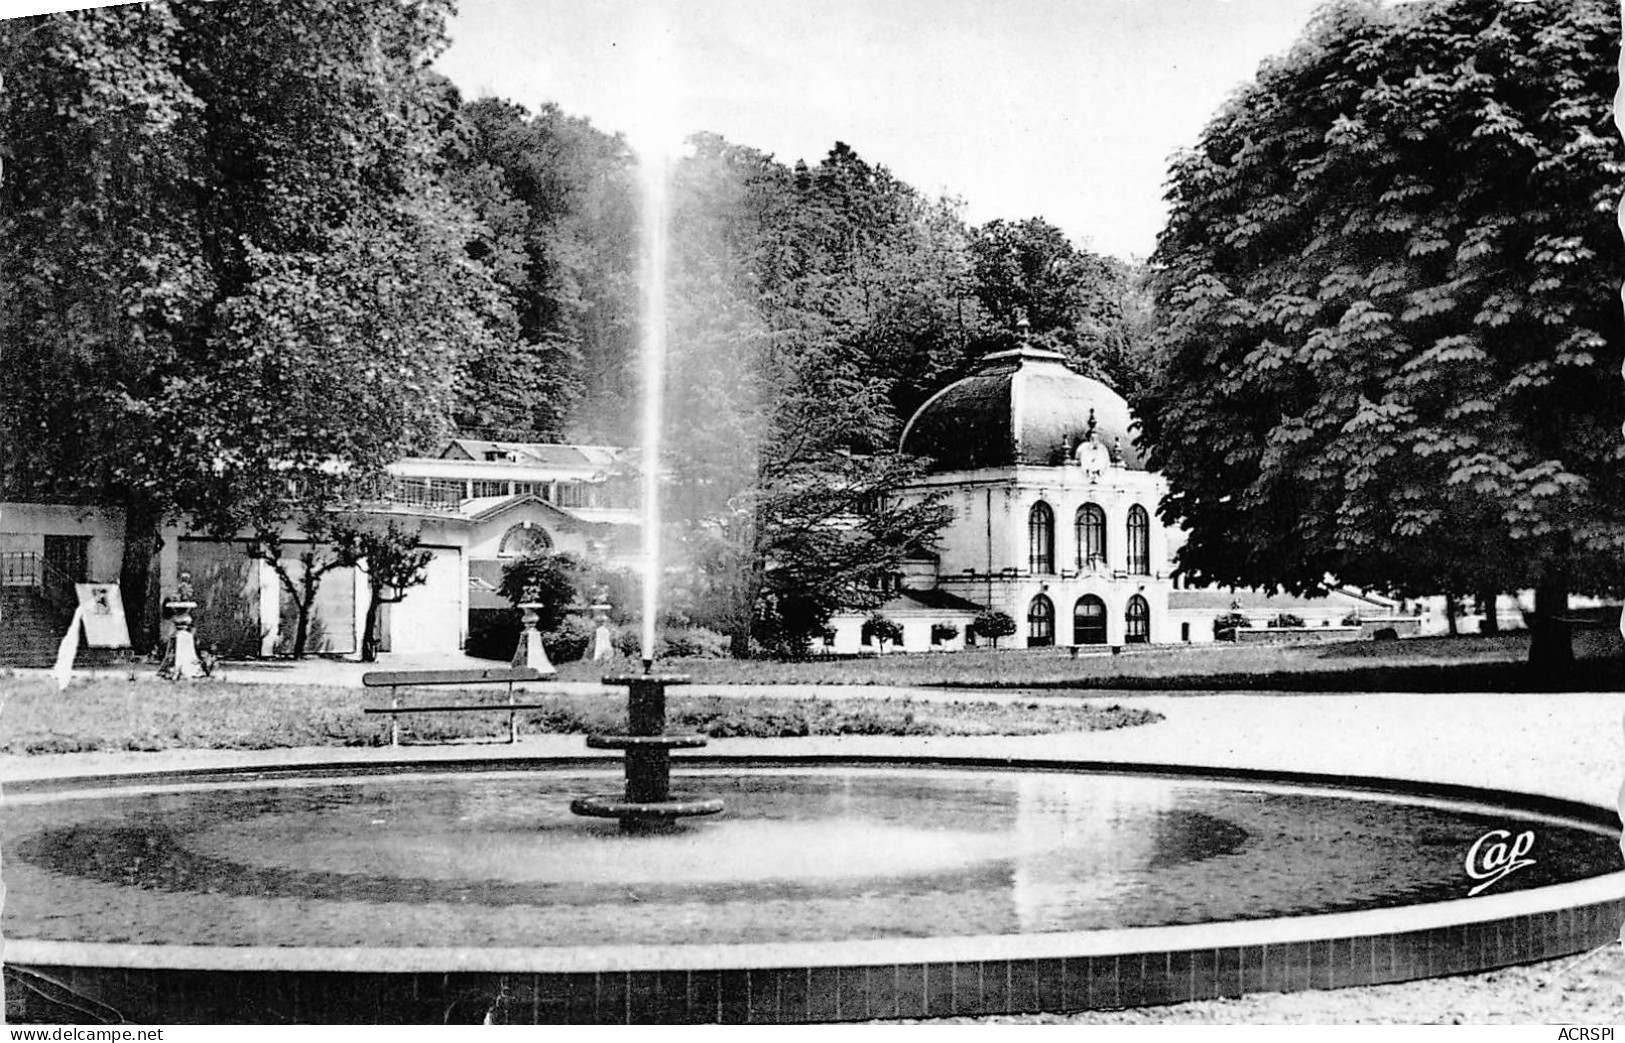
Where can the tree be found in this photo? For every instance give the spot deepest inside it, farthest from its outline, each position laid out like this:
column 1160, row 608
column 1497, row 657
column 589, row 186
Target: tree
column 394, row 561
column 780, row 423
column 1073, row 301
column 228, row 259
column 547, row 580
column 556, row 197
column 1391, row 335
column 993, row 625
column 101, row 273
column 880, row 630
column 301, row 573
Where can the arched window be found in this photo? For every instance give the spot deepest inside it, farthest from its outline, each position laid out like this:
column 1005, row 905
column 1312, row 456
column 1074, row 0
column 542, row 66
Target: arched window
column 1040, row 623
column 1041, row 539
column 524, row 539
column 1089, row 621
column 1138, row 617
column 1139, row 541
column 1091, row 532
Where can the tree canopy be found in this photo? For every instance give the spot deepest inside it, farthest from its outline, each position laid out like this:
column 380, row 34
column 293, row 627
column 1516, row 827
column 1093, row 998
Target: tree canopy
column 230, row 266
column 1390, row 332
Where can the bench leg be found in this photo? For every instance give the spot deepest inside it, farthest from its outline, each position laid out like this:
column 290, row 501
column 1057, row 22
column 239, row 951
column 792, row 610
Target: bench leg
column 513, row 722
column 394, row 719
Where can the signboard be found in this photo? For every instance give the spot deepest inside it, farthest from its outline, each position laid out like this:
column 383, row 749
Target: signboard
column 102, row 611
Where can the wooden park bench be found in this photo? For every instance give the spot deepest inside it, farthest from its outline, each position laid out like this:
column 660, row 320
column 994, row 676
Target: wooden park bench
column 395, row 680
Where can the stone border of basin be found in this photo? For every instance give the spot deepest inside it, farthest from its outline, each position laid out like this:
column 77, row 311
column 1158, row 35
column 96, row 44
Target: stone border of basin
column 65, row 982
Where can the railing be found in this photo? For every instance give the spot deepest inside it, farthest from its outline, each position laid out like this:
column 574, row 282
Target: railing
column 21, row 569
column 419, row 495
column 30, row 569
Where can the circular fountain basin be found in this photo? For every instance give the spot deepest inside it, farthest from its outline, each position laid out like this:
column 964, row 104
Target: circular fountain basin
column 827, row 890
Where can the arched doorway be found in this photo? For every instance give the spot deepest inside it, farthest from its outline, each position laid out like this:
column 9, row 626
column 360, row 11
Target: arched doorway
column 1138, row 618
column 1089, row 621
column 1040, row 623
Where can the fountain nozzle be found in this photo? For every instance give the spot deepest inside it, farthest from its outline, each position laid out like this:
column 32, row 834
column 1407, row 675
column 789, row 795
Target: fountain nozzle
column 648, row 666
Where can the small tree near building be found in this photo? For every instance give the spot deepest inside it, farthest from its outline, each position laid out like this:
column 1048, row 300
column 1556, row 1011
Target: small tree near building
column 880, row 629
column 994, row 625
column 394, row 561
column 300, row 574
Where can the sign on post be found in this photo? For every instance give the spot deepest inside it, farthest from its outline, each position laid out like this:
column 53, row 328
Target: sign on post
column 102, row 610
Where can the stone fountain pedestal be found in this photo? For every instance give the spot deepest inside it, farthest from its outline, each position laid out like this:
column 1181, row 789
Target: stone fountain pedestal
column 648, row 804
column 530, row 651
column 181, row 662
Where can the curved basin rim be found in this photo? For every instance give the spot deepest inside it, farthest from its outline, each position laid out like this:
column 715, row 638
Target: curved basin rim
column 1371, row 922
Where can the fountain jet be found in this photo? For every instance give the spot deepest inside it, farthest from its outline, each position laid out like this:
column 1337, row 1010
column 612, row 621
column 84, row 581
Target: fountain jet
column 648, row 804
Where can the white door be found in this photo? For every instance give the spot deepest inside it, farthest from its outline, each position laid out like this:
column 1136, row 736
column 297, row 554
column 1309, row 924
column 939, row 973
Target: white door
column 430, row 618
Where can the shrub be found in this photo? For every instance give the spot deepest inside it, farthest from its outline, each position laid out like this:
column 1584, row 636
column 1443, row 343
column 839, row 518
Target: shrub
column 1286, row 620
column 548, row 580
column 493, row 633
column 695, row 643
column 569, row 641
column 942, row 633
column 1225, row 626
column 994, row 625
column 1352, row 619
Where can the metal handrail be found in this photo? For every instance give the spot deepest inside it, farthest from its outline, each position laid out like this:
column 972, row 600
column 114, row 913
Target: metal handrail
column 20, row 568
column 28, row 568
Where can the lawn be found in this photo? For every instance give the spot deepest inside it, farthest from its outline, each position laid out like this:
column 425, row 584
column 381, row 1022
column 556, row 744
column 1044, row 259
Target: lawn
column 109, row 714
column 1429, row 664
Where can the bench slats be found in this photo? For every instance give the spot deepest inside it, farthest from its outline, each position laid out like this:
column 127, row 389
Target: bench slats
column 495, row 675
column 482, row 707
column 395, row 680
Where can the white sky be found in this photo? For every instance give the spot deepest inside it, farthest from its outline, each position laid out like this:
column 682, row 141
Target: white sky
column 1064, row 109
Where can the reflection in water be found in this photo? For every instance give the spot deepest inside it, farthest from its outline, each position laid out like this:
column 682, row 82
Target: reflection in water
column 801, row 854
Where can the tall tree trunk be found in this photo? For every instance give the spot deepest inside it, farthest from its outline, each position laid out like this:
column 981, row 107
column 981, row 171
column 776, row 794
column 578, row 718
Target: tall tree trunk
column 369, row 630
column 139, row 573
column 1551, row 638
column 1487, row 605
column 1450, row 610
column 301, row 632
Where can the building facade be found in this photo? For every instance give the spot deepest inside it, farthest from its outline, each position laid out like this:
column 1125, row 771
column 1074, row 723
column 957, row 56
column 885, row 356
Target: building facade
column 1053, row 511
column 477, row 505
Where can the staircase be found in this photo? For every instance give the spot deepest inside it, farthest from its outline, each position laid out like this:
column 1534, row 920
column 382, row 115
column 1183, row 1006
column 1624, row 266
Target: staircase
column 36, row 607
column 29, row 630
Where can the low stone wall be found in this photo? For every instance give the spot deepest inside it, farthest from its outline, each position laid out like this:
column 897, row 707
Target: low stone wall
column 1404, row 626
column 1295, row 635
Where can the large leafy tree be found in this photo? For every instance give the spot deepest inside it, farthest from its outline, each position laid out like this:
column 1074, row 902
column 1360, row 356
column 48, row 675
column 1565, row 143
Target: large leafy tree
column 781, row 421
column 555, row 194
column 1073, row 301
column 234, row 285
column 1391, row 335
column 103, row 282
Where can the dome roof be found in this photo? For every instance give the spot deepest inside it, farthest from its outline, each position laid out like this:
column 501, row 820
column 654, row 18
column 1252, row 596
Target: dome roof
column 1020, row 407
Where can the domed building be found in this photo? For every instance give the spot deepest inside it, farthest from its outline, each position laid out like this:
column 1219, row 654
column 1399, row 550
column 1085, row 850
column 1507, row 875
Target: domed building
column 1054, row 513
